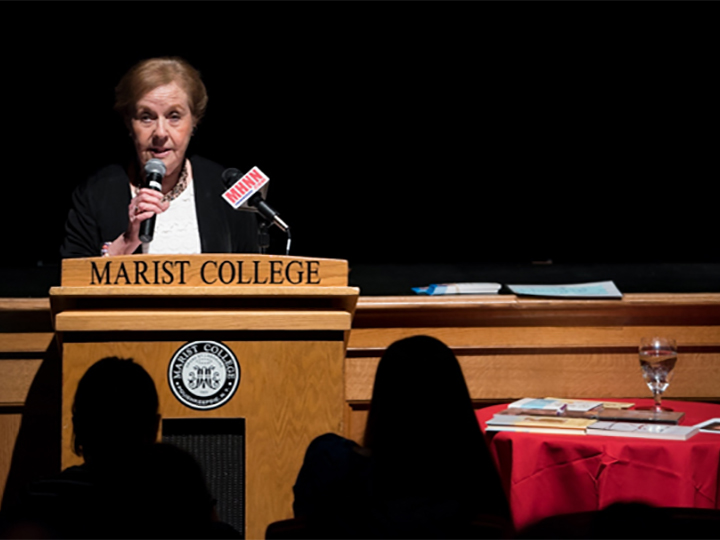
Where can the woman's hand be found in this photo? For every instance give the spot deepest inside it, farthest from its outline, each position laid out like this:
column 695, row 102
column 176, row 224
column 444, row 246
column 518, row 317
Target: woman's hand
column 145, row 204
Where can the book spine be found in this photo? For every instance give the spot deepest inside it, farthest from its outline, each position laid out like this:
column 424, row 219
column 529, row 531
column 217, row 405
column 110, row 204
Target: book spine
column 591, row 415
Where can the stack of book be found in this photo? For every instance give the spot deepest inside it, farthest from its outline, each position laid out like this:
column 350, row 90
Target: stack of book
column 581, row 417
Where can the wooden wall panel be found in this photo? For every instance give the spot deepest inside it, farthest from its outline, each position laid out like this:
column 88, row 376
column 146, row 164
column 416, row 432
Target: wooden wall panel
column 16, row 376
column 574, row 374
column 9, row 428
column 26, row 334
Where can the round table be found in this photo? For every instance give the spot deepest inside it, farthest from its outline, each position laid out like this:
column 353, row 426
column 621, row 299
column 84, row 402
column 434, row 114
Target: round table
column 546, row 474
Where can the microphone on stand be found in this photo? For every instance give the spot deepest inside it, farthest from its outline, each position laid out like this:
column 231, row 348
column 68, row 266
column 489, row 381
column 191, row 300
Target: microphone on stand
column 154, row 173
column 248, row 192
column 252, row 190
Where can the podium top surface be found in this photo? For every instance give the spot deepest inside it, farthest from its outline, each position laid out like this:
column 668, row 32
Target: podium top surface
column 257, row 292
column 202, row 273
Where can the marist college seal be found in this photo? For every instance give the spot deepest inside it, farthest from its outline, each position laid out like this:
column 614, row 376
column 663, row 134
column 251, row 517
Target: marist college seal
column 204, row 375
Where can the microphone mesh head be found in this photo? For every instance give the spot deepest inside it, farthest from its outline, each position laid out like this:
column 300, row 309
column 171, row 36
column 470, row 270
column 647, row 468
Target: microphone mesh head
column 155, row 166
column 230, row 176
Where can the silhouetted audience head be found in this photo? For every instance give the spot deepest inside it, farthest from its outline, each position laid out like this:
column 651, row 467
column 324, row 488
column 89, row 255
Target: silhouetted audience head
column 419, row 390
column 115, row 409
column 422, row 429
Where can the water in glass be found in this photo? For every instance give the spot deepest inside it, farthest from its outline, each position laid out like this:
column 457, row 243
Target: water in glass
column 657, row 367
column 657, row 360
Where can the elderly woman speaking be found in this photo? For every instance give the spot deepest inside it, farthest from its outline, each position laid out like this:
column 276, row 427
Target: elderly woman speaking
column 161, row 101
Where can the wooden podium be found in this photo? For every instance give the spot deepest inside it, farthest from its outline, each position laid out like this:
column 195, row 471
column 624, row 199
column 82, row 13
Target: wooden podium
column 263, row 338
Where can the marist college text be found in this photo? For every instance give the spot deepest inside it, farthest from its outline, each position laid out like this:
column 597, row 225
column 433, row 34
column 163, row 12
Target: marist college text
column 261, row 271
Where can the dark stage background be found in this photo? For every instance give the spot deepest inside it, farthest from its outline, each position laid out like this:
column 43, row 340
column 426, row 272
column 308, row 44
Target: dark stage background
column 476, row 136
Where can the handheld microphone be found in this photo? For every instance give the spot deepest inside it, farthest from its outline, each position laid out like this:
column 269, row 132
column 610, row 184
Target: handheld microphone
column 248, row 192
column 154, row 173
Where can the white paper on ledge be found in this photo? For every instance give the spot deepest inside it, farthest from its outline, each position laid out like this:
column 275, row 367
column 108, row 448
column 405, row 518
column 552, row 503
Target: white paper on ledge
column 599, row 289
column 459, row 288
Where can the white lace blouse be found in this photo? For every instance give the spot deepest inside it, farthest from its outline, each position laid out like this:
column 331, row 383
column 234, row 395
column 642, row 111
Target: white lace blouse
column 176, row 229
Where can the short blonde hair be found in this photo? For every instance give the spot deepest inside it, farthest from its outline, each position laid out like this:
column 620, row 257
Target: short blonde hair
column 148, row 74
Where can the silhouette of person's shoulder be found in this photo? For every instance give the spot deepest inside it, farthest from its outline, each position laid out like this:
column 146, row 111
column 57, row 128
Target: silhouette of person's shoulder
column 65, row 506
column 332, row 463
column 173, row 498
column 160, row 493
column 333, row 488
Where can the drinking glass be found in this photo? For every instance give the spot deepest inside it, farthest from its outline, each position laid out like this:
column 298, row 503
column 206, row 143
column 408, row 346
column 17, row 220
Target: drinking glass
column 658, row 356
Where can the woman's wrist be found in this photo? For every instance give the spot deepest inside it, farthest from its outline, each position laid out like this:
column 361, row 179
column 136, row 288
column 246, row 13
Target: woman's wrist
column 120, row 246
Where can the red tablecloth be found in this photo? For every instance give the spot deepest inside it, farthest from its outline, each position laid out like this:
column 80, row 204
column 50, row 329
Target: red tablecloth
column 546, row 474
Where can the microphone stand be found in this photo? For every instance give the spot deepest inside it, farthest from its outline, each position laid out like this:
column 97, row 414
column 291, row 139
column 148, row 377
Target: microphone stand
column 263, row 235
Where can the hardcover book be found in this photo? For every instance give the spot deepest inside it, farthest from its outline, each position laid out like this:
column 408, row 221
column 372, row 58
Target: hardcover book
column 646, row 431
column 538, row 424
column 619, row 415
column 709, row 426
column 540, row 406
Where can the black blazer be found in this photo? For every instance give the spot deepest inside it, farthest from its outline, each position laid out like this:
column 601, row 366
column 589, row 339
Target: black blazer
column 99, row 213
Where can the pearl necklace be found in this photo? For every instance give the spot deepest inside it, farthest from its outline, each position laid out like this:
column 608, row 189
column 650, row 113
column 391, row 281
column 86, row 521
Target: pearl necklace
column 179, row 187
